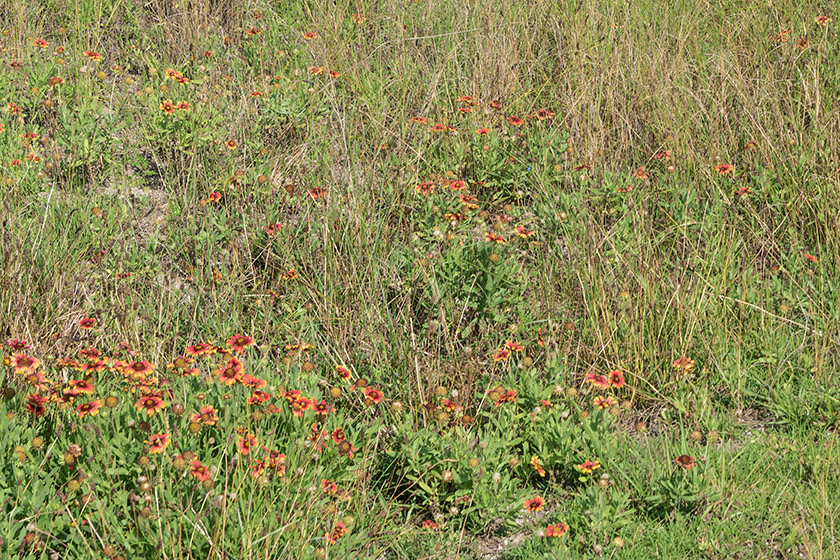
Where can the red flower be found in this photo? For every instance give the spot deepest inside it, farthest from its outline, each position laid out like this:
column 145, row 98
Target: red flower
column 157, row 443
column 321, row 407
column 492, row 237
column 723, row 168
column 685, row 461
column 338, row 531
column 338, row 436
column 468, row 201
column 181, row 365
column 253, row 382
column 199, row 471
column 23, row 364
column 271, row 229
column 18, row 345
column 684, row 363
column 87, row 323
column 168, row 107
column 501, row 355
column 213, row 197
column 346, row 448
column 310, row 35
column 502, row 396
column 822, row 20
column 81, row 387
column 482, row 131
column 542, row 114
column 429, row 524
column 246, row 443
column 535, row 462
column 514, row 346
column 93, row 55
column 812, row 258
column 299, row 405
column 91, row 408
column 231, row 372
column 616, row 379
column 641, row 173
column 515, row 121
column 588, row 466
column 556, row 530
column 425, row 188
column 343, row 372
column 328, row 486
column 259, row 397
column 139, row 369
column 238, row 342
column 206, row 415
column 200, row 349
column 419, row 120
column 90, row 353
column 600, row 381
column 604, row 402
column 150, row 403
column 534, row 504
column 35, row 404
column 41, row 43
column 524, row 233
column 373, row 396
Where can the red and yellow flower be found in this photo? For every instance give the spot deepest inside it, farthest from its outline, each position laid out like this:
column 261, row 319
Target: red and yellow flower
column 91, row 408
column 684, row 363
column 239, row 342
column 151, row 403
column 557, row 530
column 207, row 414
column 23, row 364
column 535, row 463
column 373, row 396
column 246, row 443
column 534, row 504
column 589, row 466
column 199, row 471
column 343, row 372
column 158, row 443
column 598, row 380
column 604, row 402
column 231, row 372
column 685, row 461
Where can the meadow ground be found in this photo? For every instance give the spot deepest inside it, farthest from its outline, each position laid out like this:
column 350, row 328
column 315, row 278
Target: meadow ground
column 419, row 279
